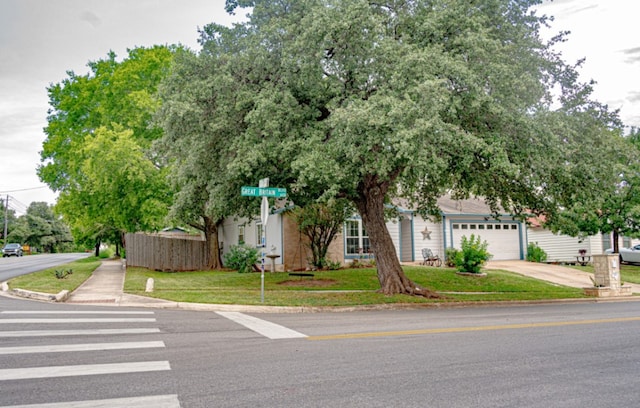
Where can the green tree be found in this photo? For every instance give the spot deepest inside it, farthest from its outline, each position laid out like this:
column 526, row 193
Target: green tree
column 320, row 223
column 40, row 228
column 199, row 117
column 96, row 153
column 615, row 208
column 371, row 101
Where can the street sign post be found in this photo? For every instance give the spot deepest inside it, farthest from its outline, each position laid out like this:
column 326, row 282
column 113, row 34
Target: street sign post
column 264, row 191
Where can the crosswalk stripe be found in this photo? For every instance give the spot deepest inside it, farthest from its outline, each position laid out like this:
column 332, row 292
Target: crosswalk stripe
column 79, row 370
column 152, row 401
column 270, row 330
column 62, row 348
column 80, row 320
column 72, row 312
column 84, row 332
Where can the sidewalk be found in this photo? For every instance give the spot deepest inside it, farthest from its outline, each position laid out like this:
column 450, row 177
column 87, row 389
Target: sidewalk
column 105, row 287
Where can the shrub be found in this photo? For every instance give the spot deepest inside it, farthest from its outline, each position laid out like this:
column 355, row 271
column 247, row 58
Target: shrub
column 241, row 257
column 451, row 254
column 472, row 255
column 535, row 253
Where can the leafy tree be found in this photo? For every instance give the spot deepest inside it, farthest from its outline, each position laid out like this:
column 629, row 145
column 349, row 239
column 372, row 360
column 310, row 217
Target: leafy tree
column 371, row 101
column 96, row 153
column 615, row 209
column 199, row 117
column 41, row 228
column 320, row 223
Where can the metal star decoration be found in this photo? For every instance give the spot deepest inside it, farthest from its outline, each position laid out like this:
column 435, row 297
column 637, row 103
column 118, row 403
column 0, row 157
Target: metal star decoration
column 426, row 234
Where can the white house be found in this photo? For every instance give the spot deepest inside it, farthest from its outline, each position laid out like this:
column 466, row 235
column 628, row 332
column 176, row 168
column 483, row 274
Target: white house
column 506, row 236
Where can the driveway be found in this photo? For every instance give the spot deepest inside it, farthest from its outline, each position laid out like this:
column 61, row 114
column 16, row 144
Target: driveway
column 560, row 275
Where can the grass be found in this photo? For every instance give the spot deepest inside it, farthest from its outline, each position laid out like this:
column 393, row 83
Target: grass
column 347, row 287
column 628, row 273
column 46, row 282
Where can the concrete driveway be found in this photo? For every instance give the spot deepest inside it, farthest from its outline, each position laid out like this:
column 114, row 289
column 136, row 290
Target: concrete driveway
column 560, row 275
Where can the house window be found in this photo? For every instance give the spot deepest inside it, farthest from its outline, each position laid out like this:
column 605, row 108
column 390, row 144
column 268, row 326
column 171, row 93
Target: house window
column 606, row 241
column 489, row 226
column 626, row 242
column 472, row 226
column 514, row 226
column 456, row 226
column 481, row 226
column 357, row 240
column 240, row 234
column 497, row 226
column 464, row 226
column 259, row 235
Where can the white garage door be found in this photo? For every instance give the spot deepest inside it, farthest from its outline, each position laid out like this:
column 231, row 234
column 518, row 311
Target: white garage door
column 503, row 238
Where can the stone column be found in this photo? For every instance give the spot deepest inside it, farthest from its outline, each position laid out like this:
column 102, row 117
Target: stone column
column 606, row 270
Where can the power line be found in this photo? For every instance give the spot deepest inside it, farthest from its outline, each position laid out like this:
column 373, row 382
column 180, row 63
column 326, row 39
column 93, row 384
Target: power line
column 22, row 189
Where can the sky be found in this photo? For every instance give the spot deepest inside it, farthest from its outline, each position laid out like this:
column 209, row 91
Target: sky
column 40, row 40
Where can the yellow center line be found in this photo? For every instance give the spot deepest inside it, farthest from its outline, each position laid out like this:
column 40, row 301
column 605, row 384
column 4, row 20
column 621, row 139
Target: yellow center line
column 471, row 329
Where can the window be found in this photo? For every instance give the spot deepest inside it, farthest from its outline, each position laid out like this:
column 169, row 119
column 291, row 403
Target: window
column 472, row 226
column 464, row 226
column 481, row 226
column 489, row 226
column 456, row 226
column 514, row 226
column 497, row 226
column 606, row 241
column 626, row 242
column 357, row 240
column 240, row 234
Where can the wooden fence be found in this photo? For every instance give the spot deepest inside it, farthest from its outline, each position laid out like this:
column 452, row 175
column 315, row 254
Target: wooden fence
column 166, row 254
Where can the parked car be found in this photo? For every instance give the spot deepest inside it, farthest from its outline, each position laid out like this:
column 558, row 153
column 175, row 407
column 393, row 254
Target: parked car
column 12, row 249
column 628, row 255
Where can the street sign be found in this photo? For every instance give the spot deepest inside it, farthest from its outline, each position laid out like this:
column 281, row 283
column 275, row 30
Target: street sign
column 274, row 192
column 264, row 213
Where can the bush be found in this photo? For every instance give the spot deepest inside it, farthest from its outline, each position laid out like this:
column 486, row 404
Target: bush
column 241, row 257
column 451, row 254
column 473, row 254
column 535, row 253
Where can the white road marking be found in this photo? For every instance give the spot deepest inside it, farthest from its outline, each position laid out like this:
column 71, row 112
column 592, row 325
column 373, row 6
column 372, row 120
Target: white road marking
column 270, row 330
column 81, row 320
column 63, row 348
column 97, row 312
column 78, row 370
column 88, row 332
column 154, row 401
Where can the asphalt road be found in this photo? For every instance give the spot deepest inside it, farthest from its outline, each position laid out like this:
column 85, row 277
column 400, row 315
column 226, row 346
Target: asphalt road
column 560, row 355
column 12, row 266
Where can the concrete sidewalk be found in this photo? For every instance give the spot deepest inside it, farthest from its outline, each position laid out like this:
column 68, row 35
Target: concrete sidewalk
column 557, row 274
column 105, row 287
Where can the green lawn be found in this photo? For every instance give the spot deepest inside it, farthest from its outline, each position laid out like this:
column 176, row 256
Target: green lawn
column 45, row 281
column 346, row 287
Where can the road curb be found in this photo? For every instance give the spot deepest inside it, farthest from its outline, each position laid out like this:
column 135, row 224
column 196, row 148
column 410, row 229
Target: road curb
column 47, row 297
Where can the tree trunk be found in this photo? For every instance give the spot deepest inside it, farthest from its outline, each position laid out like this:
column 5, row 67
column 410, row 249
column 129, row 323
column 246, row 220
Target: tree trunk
column 615, row 236
column 97, row 248
column 392, row 279
column 211, row 237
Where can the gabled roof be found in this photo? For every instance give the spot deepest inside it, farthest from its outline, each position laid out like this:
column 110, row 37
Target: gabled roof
column 471, row 205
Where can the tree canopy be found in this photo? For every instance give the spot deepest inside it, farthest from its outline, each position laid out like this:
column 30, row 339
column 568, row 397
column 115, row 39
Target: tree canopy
column 97, row 150
column 373, row 101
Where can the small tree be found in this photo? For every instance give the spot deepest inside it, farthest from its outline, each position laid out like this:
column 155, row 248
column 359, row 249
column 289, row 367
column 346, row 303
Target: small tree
column 473, row 254
column 241, row 257
column 320, row 223
column 535, row 253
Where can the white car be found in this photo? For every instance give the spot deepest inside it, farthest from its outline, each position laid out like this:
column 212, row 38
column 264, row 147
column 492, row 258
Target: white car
column 628, row 255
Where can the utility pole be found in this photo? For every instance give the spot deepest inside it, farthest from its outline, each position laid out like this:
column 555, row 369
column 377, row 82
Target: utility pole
column 6, row 221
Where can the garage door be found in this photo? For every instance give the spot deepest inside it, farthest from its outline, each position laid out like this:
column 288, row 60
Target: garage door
column 503, row 238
